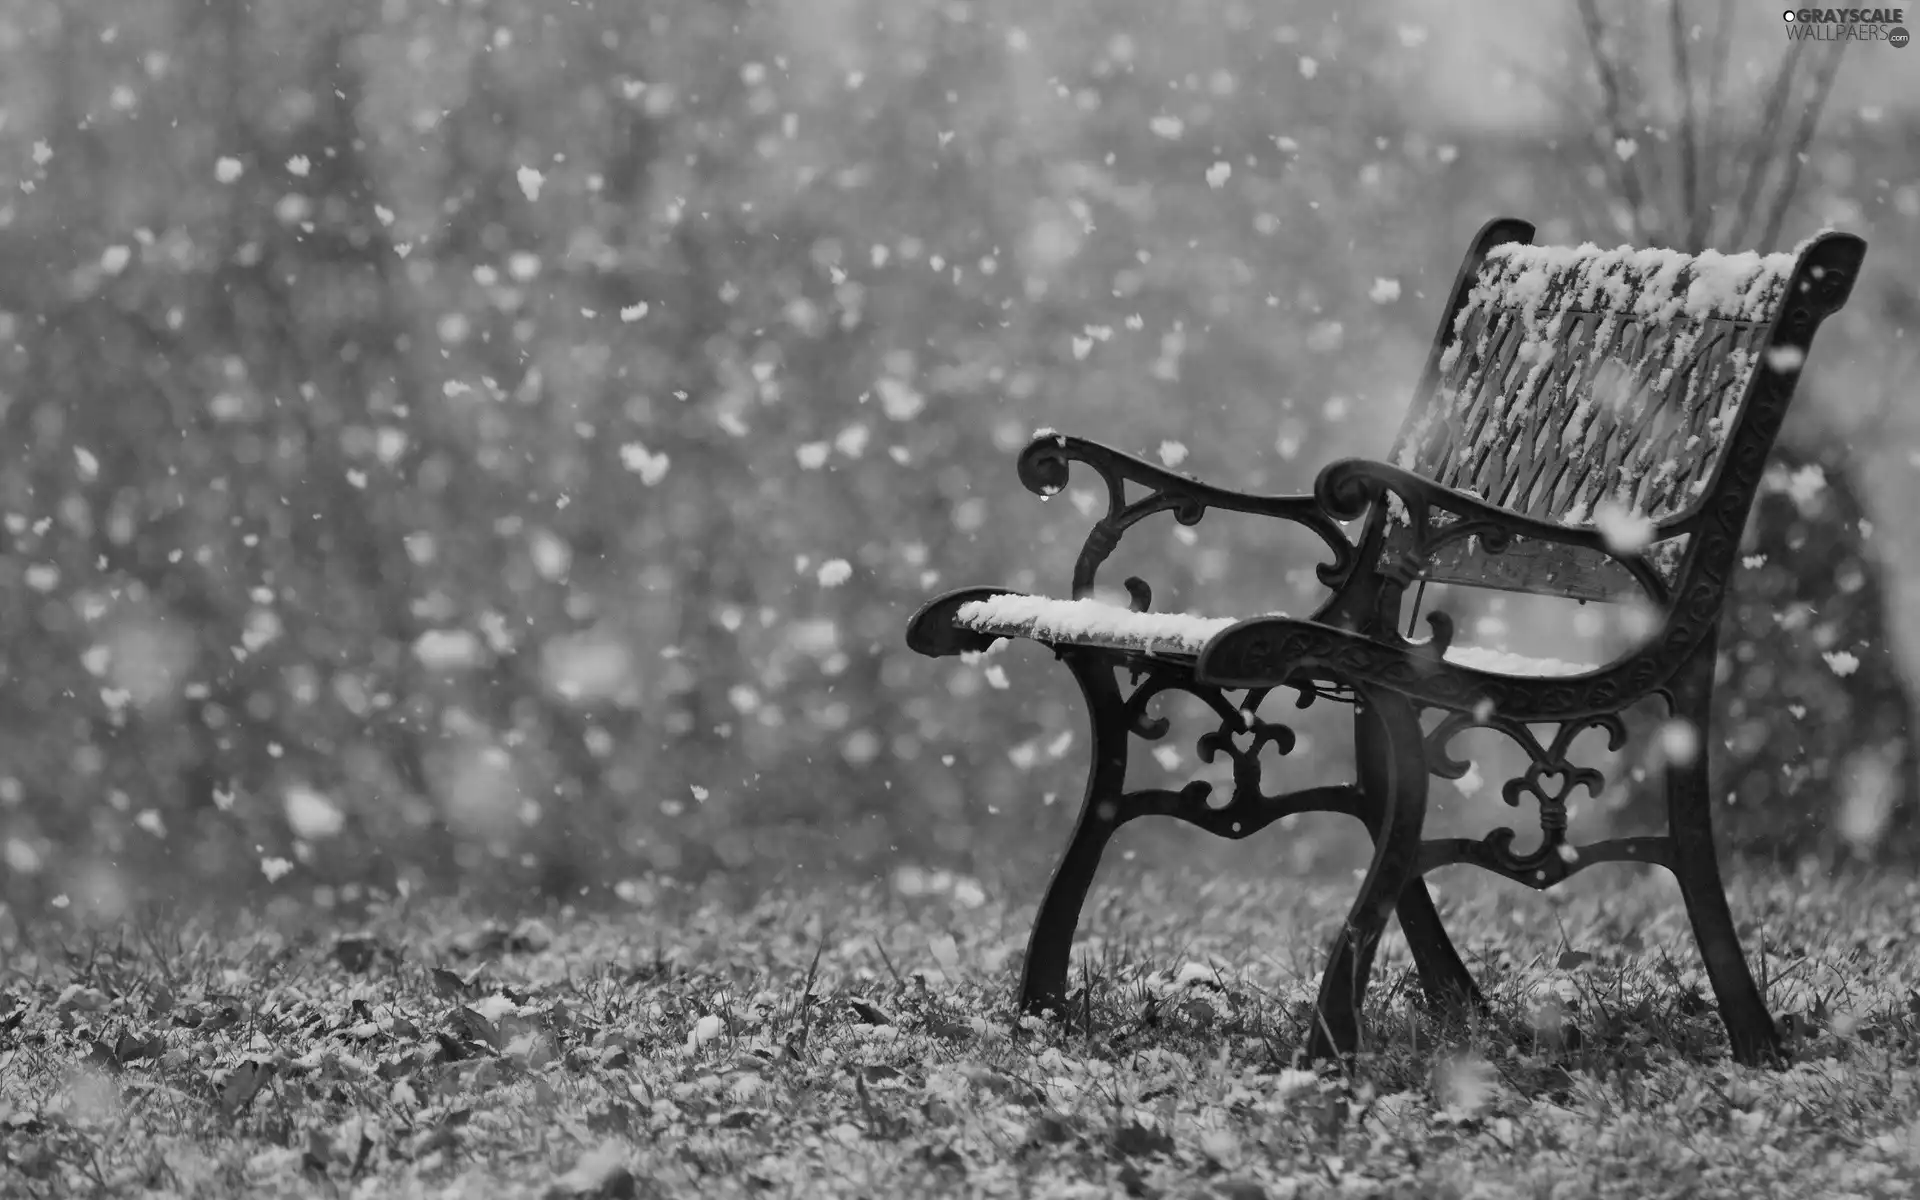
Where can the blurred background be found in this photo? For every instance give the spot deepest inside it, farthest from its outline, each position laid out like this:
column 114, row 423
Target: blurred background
column 500, row 443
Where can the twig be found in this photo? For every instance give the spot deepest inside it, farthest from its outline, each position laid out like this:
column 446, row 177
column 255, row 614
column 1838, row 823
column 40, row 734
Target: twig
column 890, row 968
column 1776, row 104
column 1690, row 210
column 1802, row 138
column 1714, row 107
column 1626, row 175
column 806, row 993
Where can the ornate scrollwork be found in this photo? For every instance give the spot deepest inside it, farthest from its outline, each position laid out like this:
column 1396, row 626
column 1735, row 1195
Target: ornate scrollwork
column 1550, row 777
column 1431, row 517
column 1045, row 464
column 1241, row 735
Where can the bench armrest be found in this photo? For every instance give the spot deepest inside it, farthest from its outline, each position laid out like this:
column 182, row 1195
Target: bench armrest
column 1346, row 488
column 1045, row 463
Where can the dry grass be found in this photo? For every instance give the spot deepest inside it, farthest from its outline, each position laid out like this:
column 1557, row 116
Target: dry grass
column 860, row 1044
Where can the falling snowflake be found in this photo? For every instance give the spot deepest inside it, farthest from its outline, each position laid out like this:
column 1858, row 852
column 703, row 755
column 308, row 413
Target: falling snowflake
column 1625, row 531
column 899, row 399
column 448, row 649
column 1173, row 453
column 228, row 170
column 531, row 182
column 1806, row 484
column 1384, row 291
column 275, row 869
column 852, row 441
column 1785, row 358
column 1218, row 174
column 633, row 312
column 1680, row 742
column 834, row 573
column 21, row 857
column 312, row 816
column 651, row 468
column 1841, row 662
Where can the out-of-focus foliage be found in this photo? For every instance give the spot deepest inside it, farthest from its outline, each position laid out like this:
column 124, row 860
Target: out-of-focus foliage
column 505, row 440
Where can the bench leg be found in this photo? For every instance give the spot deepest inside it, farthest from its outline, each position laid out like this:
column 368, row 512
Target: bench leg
column 1397, row 776
column 1043, row 978
column 1750, row 1027
column 1444, row 978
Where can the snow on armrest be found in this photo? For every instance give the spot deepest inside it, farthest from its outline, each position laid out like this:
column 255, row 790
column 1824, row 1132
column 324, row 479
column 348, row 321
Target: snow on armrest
column 1098, row 623
column 1093, row 622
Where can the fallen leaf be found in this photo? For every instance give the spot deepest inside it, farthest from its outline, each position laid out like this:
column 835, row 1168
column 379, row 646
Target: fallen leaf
column 243, row 1085
column 450, row 985
column 470, row 1026
column 1135, row 1139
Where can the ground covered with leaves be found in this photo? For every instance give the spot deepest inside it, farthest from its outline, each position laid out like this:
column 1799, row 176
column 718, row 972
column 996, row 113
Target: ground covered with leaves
column 862, row 1043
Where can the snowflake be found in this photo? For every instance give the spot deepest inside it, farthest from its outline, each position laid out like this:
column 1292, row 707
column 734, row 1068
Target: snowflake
column 1625, row 532
column 651, row 468
column 311, row 815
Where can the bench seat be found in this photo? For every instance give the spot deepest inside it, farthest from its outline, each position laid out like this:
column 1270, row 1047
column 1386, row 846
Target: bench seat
column 1182, row 635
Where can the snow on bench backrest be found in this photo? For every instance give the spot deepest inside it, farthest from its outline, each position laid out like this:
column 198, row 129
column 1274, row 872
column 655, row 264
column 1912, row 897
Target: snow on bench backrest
column 1577, row 381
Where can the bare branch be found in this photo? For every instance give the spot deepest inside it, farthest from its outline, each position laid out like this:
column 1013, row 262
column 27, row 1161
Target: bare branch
column 1797, row 151
column 1714, row 106
column 1771, row 116
column 1581, row 196
column 1626, row 175
column 1691, row 215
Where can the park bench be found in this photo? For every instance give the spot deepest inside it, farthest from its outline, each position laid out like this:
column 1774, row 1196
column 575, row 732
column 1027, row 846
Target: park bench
column 1590, row 425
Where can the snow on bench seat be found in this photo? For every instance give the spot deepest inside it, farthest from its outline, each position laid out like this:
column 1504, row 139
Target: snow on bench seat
column 1506, row 662
column 1098, row 623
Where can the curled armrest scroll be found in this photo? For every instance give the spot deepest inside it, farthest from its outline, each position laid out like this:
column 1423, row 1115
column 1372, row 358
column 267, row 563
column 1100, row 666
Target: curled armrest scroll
column 1046, row 463
column 1348, row 487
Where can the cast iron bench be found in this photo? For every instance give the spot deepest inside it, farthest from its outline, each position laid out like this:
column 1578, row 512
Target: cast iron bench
column 1570, row 394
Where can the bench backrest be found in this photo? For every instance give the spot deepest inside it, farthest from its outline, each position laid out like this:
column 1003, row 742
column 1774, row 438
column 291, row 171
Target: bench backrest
column 1566, row 381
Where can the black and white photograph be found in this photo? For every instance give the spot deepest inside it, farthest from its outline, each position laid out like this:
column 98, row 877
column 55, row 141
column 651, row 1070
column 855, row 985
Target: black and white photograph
column 692, row 599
